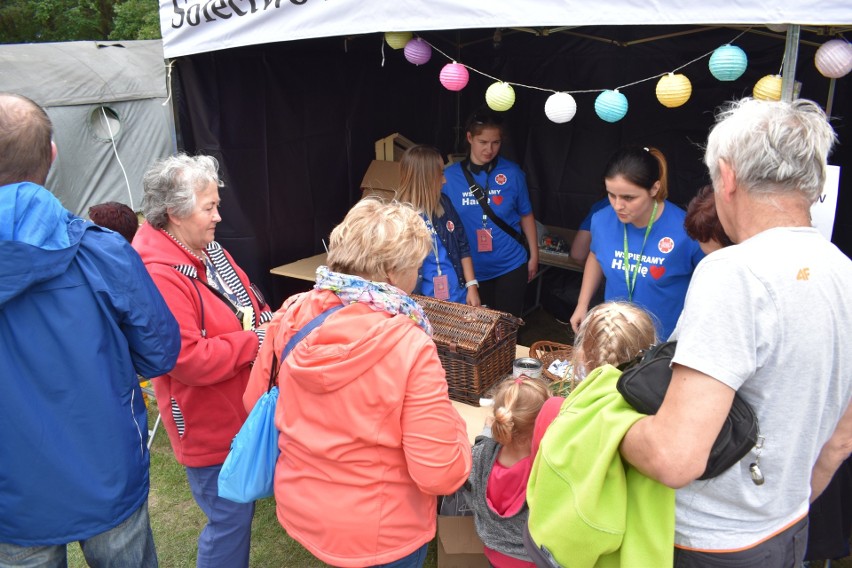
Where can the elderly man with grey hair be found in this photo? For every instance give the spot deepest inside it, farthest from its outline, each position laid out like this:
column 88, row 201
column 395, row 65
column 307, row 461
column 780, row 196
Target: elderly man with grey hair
column 768, row 318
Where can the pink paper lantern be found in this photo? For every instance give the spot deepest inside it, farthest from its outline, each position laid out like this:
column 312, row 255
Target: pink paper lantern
column 833, row 59
column 417, row 51
column 454, row 76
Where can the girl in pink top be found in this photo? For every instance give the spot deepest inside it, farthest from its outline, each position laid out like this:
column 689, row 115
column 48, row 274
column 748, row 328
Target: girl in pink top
column 501, row 469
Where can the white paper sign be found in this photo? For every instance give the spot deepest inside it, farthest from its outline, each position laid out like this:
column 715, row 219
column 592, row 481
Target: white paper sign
column 822, row 212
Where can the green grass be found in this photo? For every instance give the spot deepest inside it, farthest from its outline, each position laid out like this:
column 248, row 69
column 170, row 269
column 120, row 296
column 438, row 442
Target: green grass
column 177, row 521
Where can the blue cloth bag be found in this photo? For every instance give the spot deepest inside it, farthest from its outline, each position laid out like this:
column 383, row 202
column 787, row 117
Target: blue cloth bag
column 249, row 470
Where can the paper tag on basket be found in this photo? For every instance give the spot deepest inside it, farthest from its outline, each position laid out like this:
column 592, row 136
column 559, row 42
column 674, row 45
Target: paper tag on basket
column 486, row 402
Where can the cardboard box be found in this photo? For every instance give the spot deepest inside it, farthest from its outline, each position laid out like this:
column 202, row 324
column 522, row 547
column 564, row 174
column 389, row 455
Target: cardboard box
column 381, row 179
column 390, row 148
column 559, row 259
column 458, row 544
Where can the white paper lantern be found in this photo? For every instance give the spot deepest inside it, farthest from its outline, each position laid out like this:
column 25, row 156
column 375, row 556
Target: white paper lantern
column 454, row 76
column 778, row 28
column 728, row 62
column 611, row 106
column 834, row 58
column 673, row 90
column 397, row 40
column 560, row 107
column 500, row 96
column 417, row 51
column 768, row 88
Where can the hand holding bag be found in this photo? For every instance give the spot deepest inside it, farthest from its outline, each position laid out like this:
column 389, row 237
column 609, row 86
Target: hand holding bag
column 644, row 385
column 249, row 470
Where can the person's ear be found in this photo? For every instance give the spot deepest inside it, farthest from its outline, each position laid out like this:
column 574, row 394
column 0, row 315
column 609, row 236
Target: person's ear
column 469, row 138
column 728, row 180
column 53, row 152
column 655, row 189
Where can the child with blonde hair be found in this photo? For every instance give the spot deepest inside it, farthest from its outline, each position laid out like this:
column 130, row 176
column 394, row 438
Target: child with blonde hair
column 501, row 469
column 612, row 333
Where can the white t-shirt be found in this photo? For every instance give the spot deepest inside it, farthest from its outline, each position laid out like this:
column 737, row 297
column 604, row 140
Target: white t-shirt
column 771, row 318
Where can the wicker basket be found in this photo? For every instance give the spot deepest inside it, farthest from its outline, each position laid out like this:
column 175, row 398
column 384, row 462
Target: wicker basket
column 476, row 345
column 547, row 352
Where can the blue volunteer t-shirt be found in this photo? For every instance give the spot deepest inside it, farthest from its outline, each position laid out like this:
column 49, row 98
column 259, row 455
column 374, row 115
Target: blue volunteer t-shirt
column 666, row 267
column 506, row 187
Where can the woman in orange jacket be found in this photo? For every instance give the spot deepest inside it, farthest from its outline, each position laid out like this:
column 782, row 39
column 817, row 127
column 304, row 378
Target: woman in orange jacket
column 368, row 436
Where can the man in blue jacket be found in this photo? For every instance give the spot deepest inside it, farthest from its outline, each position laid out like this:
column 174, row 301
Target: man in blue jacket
column 79, row 318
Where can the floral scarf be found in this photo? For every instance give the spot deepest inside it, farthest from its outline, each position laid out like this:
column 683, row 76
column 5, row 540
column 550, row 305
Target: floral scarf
column 380, row 296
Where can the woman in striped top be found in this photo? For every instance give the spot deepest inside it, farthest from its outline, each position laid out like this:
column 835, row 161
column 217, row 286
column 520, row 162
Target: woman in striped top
column 222, row 319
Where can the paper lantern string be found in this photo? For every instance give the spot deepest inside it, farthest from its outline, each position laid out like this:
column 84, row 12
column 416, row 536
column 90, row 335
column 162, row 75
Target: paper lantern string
column 581, row 91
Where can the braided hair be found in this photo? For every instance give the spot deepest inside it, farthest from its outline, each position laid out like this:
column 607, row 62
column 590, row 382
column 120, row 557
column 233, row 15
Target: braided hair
column 612, row 333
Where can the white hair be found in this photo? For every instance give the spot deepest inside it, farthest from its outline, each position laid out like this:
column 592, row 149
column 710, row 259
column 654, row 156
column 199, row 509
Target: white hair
column 773, row 147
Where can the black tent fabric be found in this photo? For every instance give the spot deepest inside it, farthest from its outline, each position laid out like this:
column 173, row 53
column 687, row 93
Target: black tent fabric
column 293, row 124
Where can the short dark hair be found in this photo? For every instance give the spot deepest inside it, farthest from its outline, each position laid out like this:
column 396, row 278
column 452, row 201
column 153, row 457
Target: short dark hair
column 25, row 136
column 484, row 118
column 702, row 222
column 116, row 216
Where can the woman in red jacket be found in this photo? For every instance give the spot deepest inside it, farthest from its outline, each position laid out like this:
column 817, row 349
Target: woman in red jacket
column 368, row 436
column 221, row 317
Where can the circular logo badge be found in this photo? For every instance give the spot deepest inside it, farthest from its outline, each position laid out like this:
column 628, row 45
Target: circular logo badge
column 500, row 179
column 665, row 245
column 451, row 226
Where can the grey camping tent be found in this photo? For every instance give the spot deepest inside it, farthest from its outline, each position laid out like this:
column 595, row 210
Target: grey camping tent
column 108, row 105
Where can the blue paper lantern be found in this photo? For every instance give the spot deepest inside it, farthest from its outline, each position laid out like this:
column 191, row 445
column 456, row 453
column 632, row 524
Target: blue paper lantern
column 611, row 106
column 728, row 62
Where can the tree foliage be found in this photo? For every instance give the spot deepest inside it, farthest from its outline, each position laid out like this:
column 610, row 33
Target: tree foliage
column 28, row 21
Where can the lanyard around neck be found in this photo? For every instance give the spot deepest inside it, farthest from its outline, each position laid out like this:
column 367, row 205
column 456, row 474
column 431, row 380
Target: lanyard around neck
column 631, row 284
column 434, row 241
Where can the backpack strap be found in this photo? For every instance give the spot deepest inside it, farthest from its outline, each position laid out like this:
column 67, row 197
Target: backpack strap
column 297, row 337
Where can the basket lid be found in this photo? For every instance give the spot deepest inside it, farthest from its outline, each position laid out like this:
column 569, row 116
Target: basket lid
column 465, row 328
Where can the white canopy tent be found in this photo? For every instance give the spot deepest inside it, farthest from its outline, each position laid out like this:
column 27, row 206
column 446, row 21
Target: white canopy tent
column 290, row 95
column 196, row 26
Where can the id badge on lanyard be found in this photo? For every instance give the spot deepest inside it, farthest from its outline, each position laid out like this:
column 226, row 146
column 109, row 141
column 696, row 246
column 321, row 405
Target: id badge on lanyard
column 484, row 241
column 442, row 286
column 440, row 283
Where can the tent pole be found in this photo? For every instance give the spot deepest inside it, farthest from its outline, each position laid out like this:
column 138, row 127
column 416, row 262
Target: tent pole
column 830, row 102
column 791, row 55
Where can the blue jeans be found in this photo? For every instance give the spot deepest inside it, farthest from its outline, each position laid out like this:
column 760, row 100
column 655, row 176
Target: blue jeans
column 413, row 560
column 226, row 538
column 129, row 544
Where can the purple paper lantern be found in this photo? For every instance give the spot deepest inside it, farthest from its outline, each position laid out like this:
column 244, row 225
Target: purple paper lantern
column 417, row 51
column 454, row 76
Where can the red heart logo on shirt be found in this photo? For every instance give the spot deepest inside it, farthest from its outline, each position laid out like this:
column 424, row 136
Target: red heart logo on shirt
column 497, row 199
column 657, row 271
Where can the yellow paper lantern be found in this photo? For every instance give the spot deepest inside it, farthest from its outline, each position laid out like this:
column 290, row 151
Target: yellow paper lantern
column 673, row 90
column 768, row 88
column 397, row 40
column 500, row 96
